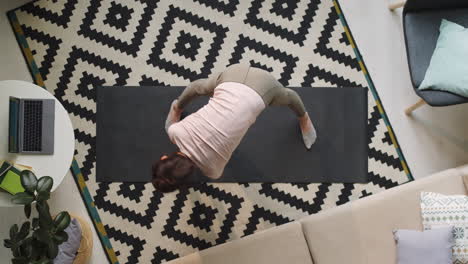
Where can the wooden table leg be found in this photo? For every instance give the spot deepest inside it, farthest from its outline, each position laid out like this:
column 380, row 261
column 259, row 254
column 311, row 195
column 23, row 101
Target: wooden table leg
column 396, row 5
column 418, row 104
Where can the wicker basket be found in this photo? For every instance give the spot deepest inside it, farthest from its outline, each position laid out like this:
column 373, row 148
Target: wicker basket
column 86, row 245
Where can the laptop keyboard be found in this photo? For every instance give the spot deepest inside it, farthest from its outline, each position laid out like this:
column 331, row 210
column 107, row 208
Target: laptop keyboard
column 32, row 133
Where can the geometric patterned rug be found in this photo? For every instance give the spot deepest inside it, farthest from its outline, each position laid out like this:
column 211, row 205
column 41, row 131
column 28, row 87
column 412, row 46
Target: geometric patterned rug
column 73, row 46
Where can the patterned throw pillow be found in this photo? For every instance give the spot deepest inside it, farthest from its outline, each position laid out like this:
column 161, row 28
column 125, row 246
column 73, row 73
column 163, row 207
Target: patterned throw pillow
column 442, row 210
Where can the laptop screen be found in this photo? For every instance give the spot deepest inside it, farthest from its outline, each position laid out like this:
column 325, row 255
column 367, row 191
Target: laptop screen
column 13, row 125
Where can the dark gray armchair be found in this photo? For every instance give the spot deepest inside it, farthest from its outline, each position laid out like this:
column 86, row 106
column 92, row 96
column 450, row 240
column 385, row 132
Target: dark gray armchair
column 421, row 21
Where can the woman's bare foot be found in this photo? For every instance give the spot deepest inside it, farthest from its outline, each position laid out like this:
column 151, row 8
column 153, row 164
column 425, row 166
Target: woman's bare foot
column 309, row 135
column 174, row 114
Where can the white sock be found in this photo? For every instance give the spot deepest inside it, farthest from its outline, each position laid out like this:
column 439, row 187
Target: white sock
column 309, row 137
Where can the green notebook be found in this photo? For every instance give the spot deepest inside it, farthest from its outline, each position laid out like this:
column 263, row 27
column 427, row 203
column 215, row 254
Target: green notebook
column 10, row 178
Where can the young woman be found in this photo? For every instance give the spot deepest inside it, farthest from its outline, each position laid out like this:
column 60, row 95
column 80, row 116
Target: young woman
column 207, row 138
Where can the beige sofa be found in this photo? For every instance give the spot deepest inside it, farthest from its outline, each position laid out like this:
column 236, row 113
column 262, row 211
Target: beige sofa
column 354, row 233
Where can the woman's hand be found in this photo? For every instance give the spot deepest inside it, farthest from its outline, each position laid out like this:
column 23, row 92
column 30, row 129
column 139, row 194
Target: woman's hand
column 175, row 107
column 174, row 114
column 309, row 135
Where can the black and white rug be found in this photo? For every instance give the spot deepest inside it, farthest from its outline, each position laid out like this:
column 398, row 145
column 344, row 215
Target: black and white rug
column 78, row 45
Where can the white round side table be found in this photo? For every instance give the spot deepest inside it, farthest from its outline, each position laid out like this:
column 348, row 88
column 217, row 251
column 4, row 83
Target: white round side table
column 56, row 165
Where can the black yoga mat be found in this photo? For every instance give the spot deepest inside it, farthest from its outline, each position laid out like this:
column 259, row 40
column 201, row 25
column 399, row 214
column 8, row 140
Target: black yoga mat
column 131, row 135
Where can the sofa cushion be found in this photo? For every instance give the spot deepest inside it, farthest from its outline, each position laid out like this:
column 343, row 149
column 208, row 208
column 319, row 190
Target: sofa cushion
column 448, row 67
column 361, row 232
column 333, row 236
column 440, row 210
column 428, row 247
column 464, row 171
column 282, row 244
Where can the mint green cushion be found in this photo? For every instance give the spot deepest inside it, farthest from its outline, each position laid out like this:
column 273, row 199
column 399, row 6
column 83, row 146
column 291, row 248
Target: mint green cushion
column 448, row 69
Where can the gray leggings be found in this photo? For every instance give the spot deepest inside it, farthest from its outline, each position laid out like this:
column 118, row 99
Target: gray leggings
column 271, row 91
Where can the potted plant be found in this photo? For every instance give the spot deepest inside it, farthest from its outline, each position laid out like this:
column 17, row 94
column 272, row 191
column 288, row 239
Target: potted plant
column 36, row 241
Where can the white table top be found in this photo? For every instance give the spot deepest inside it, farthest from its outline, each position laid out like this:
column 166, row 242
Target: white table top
column 56, row 165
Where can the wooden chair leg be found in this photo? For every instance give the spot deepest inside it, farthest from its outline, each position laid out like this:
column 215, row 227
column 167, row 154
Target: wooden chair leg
column 396, row 5
column 418, row 104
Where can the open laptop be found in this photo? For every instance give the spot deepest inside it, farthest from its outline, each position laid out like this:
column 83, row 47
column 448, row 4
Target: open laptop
column 31, row 126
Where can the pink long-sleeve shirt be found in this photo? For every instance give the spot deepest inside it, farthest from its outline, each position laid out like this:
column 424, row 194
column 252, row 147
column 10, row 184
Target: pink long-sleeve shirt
column 210, row 135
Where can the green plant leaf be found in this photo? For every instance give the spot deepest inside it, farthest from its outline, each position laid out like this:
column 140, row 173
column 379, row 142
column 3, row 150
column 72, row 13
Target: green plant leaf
column 38, row 249
column 16, row 251
column 52, row 250
column 44, row 223
column 61, row 236
column 26, row 249
column 42, row 235
column 29, row 181
column 20, row 260
column 27, row 210
column 22, row 198
column 62, row 220
column 43, row 196
column 45, row 220
column 44, row 184
column 13, row 231
column 35, row 223
column 24, row 231
column 44, row 261
column 7, row 243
